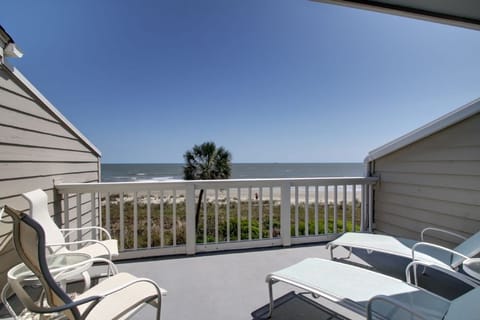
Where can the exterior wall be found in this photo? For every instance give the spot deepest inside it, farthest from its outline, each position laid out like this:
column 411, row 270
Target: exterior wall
column 432, row 182
column 36, row 149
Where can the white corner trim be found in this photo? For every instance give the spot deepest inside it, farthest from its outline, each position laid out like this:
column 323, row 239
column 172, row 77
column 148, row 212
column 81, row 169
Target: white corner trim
column 11, row 50
column 20, row 77
column 441, row 123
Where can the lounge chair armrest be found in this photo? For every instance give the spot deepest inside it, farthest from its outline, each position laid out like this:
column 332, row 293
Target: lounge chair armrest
column 66, row 244
column 6, row 218
column 432, row 245
column 112, row 268
column 71, row 230
column 393, row 302
column 457, row 275
column 38, row 309
column 160, row 291
column 441, row 231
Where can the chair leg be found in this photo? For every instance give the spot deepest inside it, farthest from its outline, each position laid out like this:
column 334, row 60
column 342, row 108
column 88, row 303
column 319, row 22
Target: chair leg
column 331, row 252
column 87, row 280
column 5, row 302
column 270, row 292
column 159, row 307
column 350, row 249
column 424, row 271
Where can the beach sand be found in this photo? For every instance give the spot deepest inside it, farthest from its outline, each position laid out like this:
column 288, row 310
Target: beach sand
column 297, row 195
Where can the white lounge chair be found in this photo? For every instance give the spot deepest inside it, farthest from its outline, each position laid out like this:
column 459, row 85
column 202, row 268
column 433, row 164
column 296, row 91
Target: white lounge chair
column 358, row 293
column 416, row 250
column 56, row 237
column 116, row 297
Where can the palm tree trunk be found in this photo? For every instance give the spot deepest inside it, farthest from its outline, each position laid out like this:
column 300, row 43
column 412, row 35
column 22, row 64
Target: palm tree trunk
column 199, row 205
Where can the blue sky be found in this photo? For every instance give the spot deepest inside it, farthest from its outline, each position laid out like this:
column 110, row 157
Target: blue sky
column 272, row 81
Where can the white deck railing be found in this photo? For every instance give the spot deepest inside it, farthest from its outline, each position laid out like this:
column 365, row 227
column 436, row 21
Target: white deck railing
column 158, row 218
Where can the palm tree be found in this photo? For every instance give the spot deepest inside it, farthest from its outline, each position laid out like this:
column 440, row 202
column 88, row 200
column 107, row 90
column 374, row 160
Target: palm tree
column 206, row 162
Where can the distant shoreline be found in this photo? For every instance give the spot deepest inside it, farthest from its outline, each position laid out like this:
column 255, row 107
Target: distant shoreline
column 263, row 195
column 124, row 172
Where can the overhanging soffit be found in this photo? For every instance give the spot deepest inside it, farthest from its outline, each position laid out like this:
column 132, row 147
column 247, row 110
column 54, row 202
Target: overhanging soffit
column 460, row 13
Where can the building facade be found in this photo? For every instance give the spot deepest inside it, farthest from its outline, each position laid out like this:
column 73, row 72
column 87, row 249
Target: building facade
column 38, row 147
column 430, row 177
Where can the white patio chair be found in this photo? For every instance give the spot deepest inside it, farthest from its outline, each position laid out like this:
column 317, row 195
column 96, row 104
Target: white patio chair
column 56, row 237
column 116, row 297
column 415, row 250
column 358, row 293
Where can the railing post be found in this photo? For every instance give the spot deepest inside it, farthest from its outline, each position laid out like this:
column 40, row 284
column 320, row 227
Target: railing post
column 285, row 215
column 79, row 217
column 363, row 209
column 370, row 208
column 57, row 208
column 190, row 231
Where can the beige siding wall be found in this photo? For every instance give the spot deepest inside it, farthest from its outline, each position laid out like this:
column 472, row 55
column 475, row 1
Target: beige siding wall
column 36, row 149
column 433, row 182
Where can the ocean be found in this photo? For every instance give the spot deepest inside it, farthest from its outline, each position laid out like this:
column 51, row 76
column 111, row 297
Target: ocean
column 172, row 171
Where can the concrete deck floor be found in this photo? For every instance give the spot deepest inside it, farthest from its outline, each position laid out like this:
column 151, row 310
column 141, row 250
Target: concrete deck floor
column 218, row 286
column 231, row 285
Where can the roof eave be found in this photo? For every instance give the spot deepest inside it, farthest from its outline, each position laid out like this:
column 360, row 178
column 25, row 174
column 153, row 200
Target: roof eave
column 410, row 12
column 34, row 91
column 437, row 125
column 5, row 38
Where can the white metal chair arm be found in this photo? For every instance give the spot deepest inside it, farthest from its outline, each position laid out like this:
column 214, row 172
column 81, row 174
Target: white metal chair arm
column 161, row 292
column 457, row 275
column 393, row 302
column 441, row 231
column 432, row 245
column 72, row 230
column 112, row 268
column 6, row 218
column 36, row 308
column 66, row 244
column 5, row 302
column 39, row 309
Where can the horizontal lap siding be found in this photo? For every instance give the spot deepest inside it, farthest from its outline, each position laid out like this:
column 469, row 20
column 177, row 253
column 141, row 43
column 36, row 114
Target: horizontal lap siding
column 20, row 136
column 433, row 182
column 36, row 149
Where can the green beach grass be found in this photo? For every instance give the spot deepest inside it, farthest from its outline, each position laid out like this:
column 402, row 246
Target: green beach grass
column 228, row 229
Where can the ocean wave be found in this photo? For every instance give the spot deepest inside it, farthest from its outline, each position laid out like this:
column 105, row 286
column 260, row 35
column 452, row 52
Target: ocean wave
column 142, row 178
column 165, row 178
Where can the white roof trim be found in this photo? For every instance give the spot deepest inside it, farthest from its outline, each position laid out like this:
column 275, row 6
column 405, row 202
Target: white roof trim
column 460, row 13
column 441, row 123
column 20, row 77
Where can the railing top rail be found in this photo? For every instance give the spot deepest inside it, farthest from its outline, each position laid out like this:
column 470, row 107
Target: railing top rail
column 227, row 183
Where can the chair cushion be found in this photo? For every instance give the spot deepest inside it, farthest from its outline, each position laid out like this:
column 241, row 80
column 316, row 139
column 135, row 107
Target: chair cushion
column 121, row 303
column 469, row 247
column 465, row 307
column 352, row 287
column 97, row 250
column 393, row 245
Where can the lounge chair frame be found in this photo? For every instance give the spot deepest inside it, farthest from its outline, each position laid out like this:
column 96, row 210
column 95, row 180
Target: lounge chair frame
column 29, row 240
column 412, row 249
column 350, row 307
column 56, row 237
